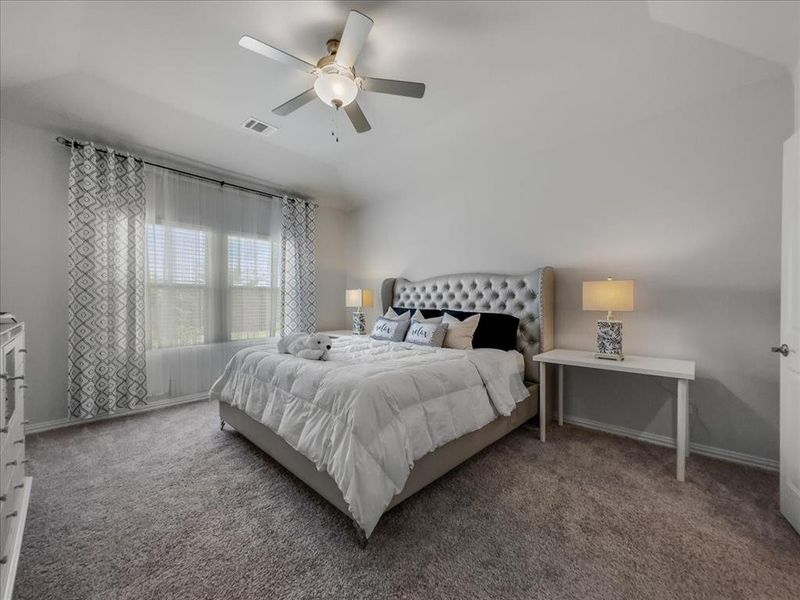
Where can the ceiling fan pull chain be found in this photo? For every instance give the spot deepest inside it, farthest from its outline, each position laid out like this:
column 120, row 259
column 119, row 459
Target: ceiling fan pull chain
column 334, row 124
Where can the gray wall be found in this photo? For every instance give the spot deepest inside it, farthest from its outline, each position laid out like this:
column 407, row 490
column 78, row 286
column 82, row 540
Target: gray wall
column 686, row 202
column 33, row 259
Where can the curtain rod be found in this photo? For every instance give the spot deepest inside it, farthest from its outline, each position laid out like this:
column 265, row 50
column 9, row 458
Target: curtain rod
column 69, row 143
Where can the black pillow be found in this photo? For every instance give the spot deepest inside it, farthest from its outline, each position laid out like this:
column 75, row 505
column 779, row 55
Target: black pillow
column 495, row 330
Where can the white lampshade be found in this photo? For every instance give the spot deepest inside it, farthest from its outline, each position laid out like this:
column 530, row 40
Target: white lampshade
column 360, row 298
column 333, row 86
column 610, row 295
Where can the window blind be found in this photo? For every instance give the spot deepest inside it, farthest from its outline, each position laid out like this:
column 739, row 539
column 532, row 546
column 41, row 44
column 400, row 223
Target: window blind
column 178, row 290
column 252, row 293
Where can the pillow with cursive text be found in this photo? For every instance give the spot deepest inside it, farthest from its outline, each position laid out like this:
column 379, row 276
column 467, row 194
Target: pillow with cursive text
column 389, row 330
column 426, row 334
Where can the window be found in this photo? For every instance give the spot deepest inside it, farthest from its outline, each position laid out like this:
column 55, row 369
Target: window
column 182, row 294
column 212, row 263
column 252, row 299
column 178, row 287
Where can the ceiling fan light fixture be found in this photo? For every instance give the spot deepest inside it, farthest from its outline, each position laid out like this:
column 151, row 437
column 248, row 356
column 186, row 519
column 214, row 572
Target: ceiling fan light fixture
column 335, row 89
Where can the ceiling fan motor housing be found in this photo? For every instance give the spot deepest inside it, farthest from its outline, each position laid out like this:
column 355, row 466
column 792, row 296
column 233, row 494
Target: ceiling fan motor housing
column 332, row 45
column 328, row 63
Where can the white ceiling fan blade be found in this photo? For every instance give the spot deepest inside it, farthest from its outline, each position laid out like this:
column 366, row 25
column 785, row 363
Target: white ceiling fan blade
column 295, row 103
column 357, row 117
column 410, row 89
column 275, row 54
column 355, row 34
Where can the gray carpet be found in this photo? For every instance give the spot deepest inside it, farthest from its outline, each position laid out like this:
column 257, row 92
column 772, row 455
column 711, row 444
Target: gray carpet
column 164, row 505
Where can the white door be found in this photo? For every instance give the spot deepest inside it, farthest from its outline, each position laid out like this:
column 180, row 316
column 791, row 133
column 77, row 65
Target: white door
column 789, row 348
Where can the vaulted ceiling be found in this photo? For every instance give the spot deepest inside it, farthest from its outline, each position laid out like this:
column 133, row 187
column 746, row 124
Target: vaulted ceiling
column 169, row 78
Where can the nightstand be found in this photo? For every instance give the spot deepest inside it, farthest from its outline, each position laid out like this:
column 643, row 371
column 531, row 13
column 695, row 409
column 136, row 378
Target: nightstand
column 681, row 370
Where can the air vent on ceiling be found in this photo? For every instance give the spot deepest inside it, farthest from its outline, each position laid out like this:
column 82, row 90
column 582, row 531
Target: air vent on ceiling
column 259, row 127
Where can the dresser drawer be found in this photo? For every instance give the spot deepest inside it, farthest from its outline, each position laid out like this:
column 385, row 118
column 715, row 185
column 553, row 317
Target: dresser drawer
column 5, row 508
column 9, row 505
column 11, row 475
column 8, row 449
column 12, row 467
column 3, row 423
column 19, row 359
column 18, row 482
column 14, row 427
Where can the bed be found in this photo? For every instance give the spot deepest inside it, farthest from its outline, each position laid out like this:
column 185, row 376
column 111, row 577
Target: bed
column 379, row 421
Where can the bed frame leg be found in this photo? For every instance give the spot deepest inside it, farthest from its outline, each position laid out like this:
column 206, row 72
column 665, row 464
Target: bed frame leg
column 361, row 537
column 221, row 424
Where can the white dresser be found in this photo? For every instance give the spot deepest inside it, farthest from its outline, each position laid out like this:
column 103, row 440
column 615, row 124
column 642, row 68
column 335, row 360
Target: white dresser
column 15, row 487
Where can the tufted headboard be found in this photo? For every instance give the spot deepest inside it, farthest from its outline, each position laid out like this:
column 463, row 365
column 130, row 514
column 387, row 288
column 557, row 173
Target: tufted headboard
column 529, row 297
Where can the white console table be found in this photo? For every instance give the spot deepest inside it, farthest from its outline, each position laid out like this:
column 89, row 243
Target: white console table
column 682, row 370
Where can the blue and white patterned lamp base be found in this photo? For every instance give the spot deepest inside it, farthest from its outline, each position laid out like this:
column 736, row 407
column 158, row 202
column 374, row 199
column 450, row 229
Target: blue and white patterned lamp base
column 609, row 340
column 359, row 323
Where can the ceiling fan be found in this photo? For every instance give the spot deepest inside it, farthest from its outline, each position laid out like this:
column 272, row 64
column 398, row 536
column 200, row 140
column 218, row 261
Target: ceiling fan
column 337, row 84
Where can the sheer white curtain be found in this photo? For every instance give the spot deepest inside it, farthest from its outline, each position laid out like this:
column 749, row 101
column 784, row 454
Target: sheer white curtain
column 212, row 278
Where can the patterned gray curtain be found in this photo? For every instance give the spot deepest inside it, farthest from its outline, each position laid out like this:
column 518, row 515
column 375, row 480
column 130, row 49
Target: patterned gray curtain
column 106, row 333
column 298, row 266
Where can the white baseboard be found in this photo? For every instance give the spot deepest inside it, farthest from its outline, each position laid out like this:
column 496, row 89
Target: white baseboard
column 663, row 440
column 643, row 436
column 155, row 405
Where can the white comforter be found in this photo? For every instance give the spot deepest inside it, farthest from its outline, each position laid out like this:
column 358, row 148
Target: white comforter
column 366, row 414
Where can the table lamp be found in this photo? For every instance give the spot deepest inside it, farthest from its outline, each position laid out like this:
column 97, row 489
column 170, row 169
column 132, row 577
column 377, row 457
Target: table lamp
column 609, row 296
column 358, row 299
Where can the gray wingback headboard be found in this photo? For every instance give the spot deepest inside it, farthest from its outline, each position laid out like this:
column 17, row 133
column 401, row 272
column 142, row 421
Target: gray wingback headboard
column 528, row 297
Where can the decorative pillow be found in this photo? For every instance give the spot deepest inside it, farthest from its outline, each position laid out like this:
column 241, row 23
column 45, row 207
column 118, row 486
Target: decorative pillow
column 426, row 334
column 419, row 317
column 388, row 329
column 395, row 316
column 460, row 333
column 426, row 312
column 495, row 330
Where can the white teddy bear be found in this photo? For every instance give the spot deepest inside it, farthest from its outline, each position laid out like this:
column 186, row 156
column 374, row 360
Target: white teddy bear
column 303, row 345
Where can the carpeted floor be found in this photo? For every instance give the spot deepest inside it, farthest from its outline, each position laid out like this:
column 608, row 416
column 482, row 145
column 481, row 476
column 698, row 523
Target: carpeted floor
column 165, row 505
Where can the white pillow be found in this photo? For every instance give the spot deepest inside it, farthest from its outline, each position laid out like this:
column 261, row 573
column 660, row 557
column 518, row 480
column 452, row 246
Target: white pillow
column 390, row 314
column 419, row 318
column 460, row 333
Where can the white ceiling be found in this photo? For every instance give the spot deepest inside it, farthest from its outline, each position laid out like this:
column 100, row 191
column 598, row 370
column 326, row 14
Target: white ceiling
column 169, row 78
column 767, row 29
